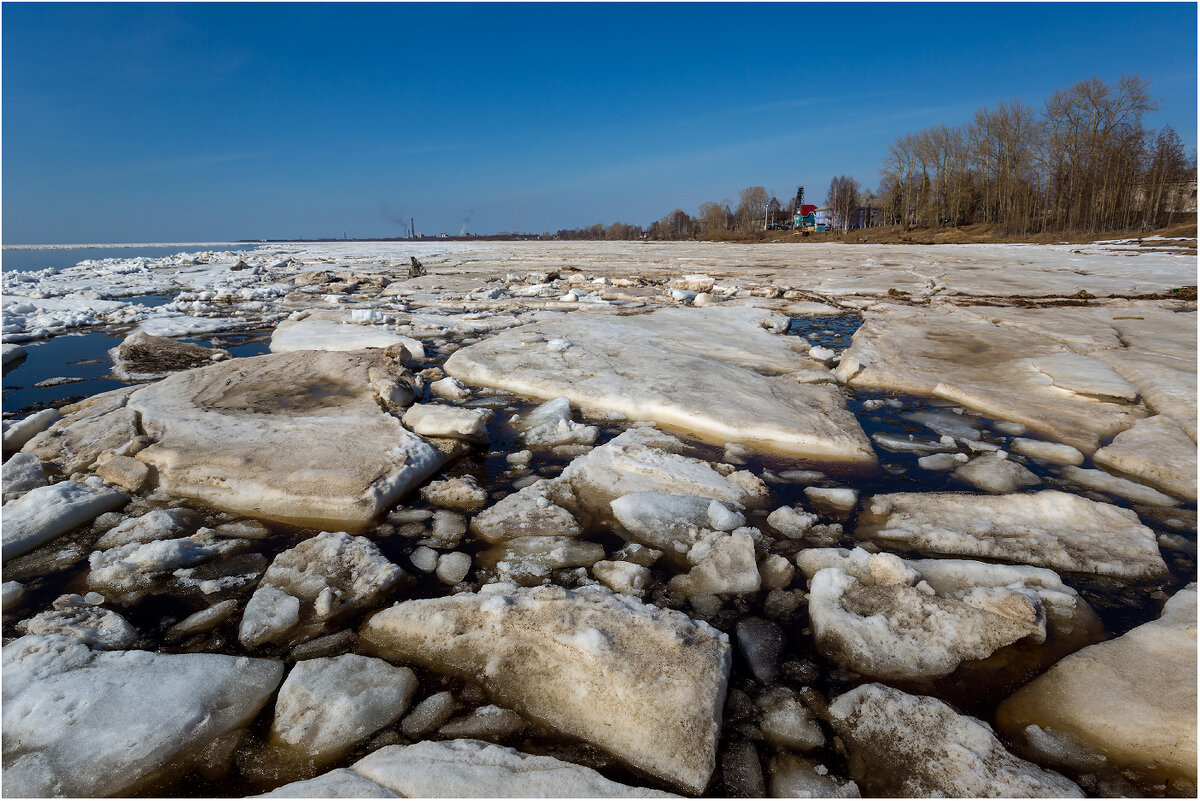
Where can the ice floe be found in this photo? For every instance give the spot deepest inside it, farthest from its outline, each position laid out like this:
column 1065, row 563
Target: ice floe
column 22, row 472
column 910, row 745
column 294, row 436
column 905, row 619
column 324, row 331
column 713, row 372
column 1126, row 704
column 1157, row 451
column 645, row 684
column 79, row 722
column 47, row 512
column 327, row 706
column 460, row 769
column 142, row 357
column 316, row 583
column 1045, row 529
column 953, row 354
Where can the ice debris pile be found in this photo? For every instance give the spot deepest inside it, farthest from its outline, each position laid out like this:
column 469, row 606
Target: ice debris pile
column 594, row 519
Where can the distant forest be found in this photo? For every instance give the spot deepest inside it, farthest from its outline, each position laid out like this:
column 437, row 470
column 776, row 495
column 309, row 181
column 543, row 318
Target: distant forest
column 1083, row 163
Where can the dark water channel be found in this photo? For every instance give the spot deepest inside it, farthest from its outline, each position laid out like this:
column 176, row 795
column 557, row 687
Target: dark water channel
column 83, row 361
column 975, row 690
column 34, row 259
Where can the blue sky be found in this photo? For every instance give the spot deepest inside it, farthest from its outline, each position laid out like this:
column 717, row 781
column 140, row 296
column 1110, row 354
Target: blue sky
column 165, row 122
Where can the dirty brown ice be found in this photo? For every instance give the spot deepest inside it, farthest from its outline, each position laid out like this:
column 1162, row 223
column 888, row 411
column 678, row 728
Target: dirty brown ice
column 614, row 520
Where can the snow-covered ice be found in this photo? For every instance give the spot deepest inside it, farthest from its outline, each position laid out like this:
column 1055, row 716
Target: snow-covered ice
column 84, row 723
column 22, row 472
column 83, row 618
column 327, row 706
column 47, row 512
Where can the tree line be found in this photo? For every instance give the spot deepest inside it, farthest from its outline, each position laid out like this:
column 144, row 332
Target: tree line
column 755, row 210
column 1083, row 162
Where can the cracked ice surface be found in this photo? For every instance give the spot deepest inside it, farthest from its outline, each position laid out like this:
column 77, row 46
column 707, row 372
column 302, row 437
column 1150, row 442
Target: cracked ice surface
column 697, row 370
column 1014, row 356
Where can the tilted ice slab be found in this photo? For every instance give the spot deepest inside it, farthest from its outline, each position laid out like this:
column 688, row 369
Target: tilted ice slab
column 47, row 512
column 1156, row 451
column 294, row 436
column 1045, row 529
column 640, row 459
column 876, row 618
column 90, row 431
column 1128, row 702
column 1119, row 487
column 713, row 372
column 86, row 723
column 916, row 746
column 460, row 769
column 11, row 353
column 320, row 580
column 1005, row 372
column 646, row 460
column 327, row 706
column 321, row 331
column 643, row 683
column 959, row 577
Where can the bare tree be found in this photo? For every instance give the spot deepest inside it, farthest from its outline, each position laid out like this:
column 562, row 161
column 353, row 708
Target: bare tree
column 676, row 225
column 714, row 218
column 752, row 206
column 1168, row 168
column 843, row 200
column 1093, row 131
column 1084, row 163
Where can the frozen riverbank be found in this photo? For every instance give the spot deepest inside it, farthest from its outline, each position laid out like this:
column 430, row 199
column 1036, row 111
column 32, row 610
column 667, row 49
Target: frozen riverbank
column 980, row 422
